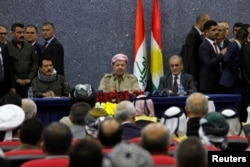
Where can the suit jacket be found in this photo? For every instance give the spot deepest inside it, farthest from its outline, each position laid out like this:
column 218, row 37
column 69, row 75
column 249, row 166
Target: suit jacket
column 209, row 68
column 166, row 83
column 9, row 79
column 38, row 48
column 226, row 42
column 56, row 52
column 230, row 65
column 189, row 53
column 245, row 67
column 130, row 131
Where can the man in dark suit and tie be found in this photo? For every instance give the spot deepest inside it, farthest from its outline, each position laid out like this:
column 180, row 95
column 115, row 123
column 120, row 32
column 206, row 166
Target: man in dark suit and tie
column 190, row 48
column 171, row 81
column 230, row 81
column 31, row 36
column 210, row 58
column 52, row 47
column 7, row 80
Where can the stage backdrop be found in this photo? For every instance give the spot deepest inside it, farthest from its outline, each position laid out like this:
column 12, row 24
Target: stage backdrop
column 92, row 31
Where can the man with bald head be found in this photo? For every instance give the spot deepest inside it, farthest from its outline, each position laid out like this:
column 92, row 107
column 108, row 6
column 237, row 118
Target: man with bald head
column 125, row 114
column 155, row 138
column 196, row 107
column 110, row 133
column 29, row 107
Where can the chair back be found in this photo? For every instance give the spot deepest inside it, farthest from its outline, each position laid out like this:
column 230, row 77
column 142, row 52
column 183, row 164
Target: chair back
column 9, row 145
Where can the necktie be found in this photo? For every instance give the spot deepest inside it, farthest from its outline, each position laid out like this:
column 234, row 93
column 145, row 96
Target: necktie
column 1, row 66
column 45, row 45
column 216, row 48
column 175, row 87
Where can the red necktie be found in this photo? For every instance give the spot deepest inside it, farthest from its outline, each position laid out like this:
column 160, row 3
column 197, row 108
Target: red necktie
column 216, row 48
column 45, row 45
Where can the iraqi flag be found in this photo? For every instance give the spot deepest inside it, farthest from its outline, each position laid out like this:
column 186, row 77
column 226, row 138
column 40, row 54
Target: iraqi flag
column 156, row 47
column 140, row 55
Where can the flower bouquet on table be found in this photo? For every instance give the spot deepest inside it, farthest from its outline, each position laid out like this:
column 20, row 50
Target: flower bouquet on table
column 109, row 107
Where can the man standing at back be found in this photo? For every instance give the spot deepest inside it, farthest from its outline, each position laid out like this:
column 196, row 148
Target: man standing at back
column 190, row 48
column 210, row 60
column 52, row 47
column 24, row 59
column 31, row 36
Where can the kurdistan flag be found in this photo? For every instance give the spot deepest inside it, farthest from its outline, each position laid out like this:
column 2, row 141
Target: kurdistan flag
column 156, row 47
column 140, row 57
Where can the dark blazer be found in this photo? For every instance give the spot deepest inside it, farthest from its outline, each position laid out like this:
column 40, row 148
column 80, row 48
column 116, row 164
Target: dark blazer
column 209, row 68
column 9, row 79
column 230, row 66
column 130, row 131
column 166, row 83
column 226, row 42
column 38, row 48
column 56, row 52
column 189, row 53
column 245, row 67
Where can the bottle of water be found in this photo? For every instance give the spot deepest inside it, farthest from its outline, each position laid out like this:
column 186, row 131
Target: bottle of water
column 30, row 93
column 181, row 90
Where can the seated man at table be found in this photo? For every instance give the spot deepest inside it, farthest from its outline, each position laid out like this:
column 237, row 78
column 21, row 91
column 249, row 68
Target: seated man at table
column 172, row 81
column 48, row 83
column 119, row 80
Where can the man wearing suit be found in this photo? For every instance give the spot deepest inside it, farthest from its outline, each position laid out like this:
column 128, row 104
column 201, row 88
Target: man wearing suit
column 230, row 80
column 190, row 48
column 168, row 82
column 210, row 58
column 7, row 83
column 52, row 47
column 31, row 35
column 221, row 39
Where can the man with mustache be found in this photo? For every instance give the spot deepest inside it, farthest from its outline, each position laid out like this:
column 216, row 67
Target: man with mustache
column 48, row 83
column 24, row 59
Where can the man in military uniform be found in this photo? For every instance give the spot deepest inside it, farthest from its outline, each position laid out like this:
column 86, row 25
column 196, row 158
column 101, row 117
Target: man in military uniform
column 119, row 81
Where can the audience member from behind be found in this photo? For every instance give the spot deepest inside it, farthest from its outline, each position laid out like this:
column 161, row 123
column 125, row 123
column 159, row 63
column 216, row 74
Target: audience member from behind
column 213, row 129
column 77, row 115
column 144, row 110
column 86, row 152
column 125, row 114
column 110, row 133
column 81, row 93
column 56, row 142
column 171, row 82
column 12, row 116
column 48, row 83
column 119, row 80
column 191, row 152
column 11, row 98
column 30, row 134
column 29, row 107
column 128, row 155
column 196, row 107
column 235, row 126
column 175, row 120
column 155, row 138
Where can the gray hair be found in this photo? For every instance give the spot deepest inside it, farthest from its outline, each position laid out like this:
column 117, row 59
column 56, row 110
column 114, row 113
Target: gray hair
column 197, row 103
column 29, row 107
column 124, row 111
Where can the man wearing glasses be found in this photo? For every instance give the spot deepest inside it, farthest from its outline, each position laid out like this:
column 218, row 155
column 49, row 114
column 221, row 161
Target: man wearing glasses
column 3, row 34
column 172, row 81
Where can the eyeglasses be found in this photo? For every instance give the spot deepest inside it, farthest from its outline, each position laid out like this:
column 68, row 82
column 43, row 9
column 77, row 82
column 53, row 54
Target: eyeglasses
column 3, row 33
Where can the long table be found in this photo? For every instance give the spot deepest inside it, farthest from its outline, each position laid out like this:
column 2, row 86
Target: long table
column 53, row 109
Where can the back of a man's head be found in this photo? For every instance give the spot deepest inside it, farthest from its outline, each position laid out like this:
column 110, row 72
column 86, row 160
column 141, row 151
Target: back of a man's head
column 155, row 138
column 86, row 152
column 57, row 139
column 110, row 133
column 191, row 152
column 78, row 112
column 124, row 111
column 11, row 98
column 31, row 131
column 196, row 105
column 29, row 108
